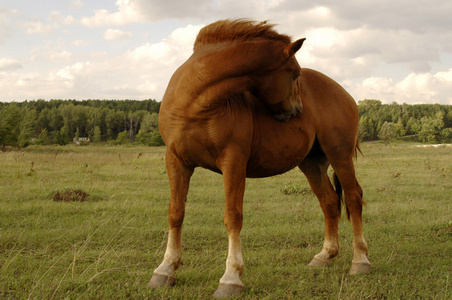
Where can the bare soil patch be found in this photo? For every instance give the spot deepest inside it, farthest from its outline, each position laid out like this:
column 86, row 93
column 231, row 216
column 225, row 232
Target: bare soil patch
column 71, row 196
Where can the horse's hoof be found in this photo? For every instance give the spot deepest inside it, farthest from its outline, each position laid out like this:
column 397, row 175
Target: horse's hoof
column 360, row 268
column 318, row 263
column 158, row 281
column 227, row 291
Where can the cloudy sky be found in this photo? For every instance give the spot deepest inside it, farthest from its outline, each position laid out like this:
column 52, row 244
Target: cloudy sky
column 391, row 50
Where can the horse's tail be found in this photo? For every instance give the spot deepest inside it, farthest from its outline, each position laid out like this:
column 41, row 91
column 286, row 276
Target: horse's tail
column 357, row 149
column 338, row 188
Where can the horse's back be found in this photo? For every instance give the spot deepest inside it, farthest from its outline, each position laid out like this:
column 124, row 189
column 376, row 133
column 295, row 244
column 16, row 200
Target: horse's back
column 320, row 90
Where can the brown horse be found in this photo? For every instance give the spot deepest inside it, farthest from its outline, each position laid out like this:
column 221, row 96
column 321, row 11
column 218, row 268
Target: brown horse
column 242, row 106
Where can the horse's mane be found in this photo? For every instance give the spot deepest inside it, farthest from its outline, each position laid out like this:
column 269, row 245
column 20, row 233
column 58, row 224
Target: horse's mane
column 239, row 29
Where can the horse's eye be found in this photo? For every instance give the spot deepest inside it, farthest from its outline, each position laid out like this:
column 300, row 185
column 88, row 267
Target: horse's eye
column 295, row 76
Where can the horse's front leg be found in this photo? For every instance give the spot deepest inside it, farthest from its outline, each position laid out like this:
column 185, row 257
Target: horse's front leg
column 179, row 179
column 234, row 176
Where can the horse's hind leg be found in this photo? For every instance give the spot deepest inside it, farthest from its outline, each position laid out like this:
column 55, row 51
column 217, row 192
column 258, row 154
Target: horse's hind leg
column 315, row 168
column 179, row 178
column 354, row 202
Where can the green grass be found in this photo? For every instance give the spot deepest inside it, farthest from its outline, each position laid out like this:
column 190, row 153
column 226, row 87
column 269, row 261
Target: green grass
column 107, row 248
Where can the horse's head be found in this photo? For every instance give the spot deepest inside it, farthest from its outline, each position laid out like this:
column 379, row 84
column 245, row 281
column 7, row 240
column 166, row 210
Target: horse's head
column 278, row 85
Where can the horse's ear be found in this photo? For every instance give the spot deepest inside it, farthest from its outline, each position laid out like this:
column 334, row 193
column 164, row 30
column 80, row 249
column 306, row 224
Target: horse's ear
column 292, row 48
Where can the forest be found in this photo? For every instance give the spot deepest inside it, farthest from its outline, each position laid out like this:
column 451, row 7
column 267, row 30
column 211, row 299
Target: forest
column 89, row 121
column 116, row 122
column 425, row 123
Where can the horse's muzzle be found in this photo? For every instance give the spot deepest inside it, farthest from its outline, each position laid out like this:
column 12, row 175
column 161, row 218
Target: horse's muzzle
column 286, row 116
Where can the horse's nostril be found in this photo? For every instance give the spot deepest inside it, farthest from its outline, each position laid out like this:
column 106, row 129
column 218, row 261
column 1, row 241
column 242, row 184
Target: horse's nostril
column 283, row 117
column 299, row 109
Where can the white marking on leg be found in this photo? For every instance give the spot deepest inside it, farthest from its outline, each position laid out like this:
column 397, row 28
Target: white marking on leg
column 359, row 248
column 234, row 262
column 171, row 260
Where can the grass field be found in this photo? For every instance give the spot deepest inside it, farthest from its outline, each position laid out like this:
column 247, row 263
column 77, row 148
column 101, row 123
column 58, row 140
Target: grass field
column 108, row 246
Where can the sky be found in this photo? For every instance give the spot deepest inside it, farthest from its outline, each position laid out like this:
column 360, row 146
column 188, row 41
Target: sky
column 390, row 50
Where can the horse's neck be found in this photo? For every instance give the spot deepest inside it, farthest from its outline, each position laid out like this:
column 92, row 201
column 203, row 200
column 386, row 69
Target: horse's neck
column 222, row 71
column 232, row 59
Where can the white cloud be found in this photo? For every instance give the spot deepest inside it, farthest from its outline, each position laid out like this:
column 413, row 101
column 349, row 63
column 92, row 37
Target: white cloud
column 136, row 11
column 171, row 51
column 185, row 37
column 70, row 73
column 427, row 87
column 414, row 88
column 50, row 55
column 80, row 43
column 8, row 64
column 62, row 55
column 5, row 29
column 140, row 73
column 128, row 12
column 115, row 34
column 29, row 85
column 38, row 27
column 53, row 21
column 76, row 4
column 58, row 17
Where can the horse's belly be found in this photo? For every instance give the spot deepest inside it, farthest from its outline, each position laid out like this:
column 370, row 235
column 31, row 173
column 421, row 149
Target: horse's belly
column 270, row 164
column 278, row 151
column 260, row 171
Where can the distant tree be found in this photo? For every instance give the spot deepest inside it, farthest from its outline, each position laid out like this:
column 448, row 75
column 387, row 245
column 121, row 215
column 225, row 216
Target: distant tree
column 448, row 118
column 413, row 126
column 149, row 133
column 365, row 129
column 67, row 112
column 43, row 119
column 10, row 117
column 43, row 138
column 399, row 130
column 123, row 138
column 156, row 139
column 427, row 131
column 5, row 128
column 431, row 128
column 136, row 120
column 369, row 104
column 115, row 122
column 446, row 134
column 150, row 122
column 143, row 137
column 62, row 137
column 80, row 119
column 55, row 120
column 97, row 137
column 26, row 128
column 387, row 132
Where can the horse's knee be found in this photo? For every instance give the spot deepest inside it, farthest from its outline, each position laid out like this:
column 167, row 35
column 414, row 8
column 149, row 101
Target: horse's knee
column 233, row 220
column 176, row 218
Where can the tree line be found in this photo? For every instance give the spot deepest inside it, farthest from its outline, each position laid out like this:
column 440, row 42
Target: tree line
column 426, row 123
column 132, row 121
column 61, row 121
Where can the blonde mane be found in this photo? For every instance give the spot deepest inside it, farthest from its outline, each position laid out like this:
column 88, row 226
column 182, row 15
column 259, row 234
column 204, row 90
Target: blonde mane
column 240, row 29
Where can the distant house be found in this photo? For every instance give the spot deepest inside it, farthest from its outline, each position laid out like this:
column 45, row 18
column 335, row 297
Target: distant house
column 81, row 141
